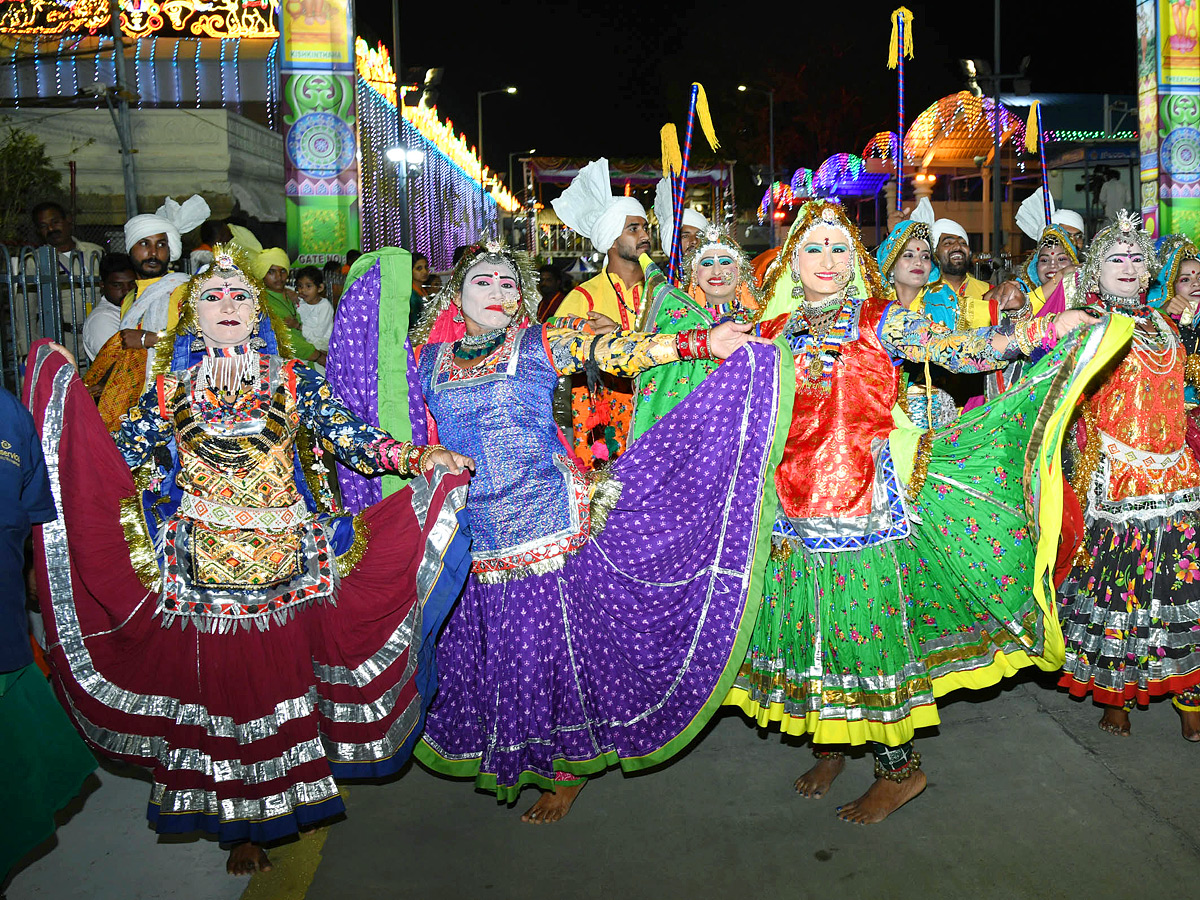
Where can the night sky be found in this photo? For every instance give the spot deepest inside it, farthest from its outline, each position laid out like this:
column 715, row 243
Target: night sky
column 601, row 79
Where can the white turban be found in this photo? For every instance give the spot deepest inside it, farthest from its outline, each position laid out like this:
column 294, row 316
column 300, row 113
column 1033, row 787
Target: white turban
column 663, row 210
column 1068, row 217
column 588, row 206
column 172, row 219
column 948, row 226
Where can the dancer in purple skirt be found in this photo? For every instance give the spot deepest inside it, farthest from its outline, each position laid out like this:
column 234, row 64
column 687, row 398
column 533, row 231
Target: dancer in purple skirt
column 605, row 616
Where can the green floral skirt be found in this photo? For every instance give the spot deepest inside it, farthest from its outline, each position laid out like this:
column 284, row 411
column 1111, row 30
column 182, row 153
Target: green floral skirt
column 856, row 645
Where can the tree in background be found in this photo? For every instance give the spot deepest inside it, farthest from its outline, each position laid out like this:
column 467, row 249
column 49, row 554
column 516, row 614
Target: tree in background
column 27, row 177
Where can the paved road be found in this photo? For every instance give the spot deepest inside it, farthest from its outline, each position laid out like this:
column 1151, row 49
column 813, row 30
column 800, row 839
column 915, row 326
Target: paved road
column 1026, row 798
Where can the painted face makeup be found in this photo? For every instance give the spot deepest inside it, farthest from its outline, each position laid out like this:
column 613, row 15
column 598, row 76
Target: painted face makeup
column 225, row 312
column 717, row 274
column 822, row 262
column 1123, row 271
column 491, row 294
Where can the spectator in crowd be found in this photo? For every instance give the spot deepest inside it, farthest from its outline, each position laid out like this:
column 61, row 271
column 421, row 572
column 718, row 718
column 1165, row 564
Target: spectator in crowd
column 315, row 311
column 1114, row 195
column 212, row 232
column 335, row 278
column 54, row 226
column 420, row 277
column 117, row 281
column 272, row 266
column 550, row 286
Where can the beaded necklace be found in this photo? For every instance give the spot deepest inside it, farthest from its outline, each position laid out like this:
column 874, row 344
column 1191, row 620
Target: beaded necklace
column 478, row 346
column 816, row 326
column 1159, row 352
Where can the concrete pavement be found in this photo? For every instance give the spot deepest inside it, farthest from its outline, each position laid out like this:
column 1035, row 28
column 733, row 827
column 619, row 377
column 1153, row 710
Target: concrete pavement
column 1026, row 798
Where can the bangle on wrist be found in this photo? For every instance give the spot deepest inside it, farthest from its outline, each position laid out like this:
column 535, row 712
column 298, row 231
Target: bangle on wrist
column 423, row 458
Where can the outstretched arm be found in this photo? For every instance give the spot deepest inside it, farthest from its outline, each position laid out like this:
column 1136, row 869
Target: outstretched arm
column 363, row 447
column 909, row 335
column 629, row 353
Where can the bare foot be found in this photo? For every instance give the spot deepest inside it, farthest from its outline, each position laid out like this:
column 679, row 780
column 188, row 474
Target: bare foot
column 816, row 781
column 553, row 805
column 882, row 799
column 246, row 859
column 1190, row 720
column 1115, row 721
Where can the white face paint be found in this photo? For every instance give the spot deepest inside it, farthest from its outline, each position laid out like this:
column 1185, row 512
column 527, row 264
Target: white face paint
column 1123, row 270
column 225, row 311
column 491, row 294
column 717, row 274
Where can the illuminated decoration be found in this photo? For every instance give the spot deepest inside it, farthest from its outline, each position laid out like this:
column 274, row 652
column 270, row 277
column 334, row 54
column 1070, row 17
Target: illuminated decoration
column 1061, row 136
column 883, row 146
column 443, row 195
column 959, row 128
column 320, row 158
column 375, row 68
column 1168, row 36
column 143, row 18
column 846, row 175
column 802, row 184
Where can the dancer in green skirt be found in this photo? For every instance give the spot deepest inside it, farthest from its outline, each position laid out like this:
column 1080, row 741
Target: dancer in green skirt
column 718, row 285
column 907, row 563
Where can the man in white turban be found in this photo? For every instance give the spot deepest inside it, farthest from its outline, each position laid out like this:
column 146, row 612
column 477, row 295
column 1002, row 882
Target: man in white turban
column 1072, row 224
column 123, row 365
column 952, row 249
column 694, row 222
column 617, row 227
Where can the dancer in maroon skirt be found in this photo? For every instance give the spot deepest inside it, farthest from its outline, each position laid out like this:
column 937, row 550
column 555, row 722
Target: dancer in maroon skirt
column 208, row 614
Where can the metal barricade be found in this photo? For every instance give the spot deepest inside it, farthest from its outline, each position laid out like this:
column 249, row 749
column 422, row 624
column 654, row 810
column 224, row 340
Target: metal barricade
column 44, row 294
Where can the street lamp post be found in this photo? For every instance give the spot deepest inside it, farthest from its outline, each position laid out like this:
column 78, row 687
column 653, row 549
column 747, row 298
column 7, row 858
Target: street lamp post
column 479, row 95
column 770, row 92
column 530, row 151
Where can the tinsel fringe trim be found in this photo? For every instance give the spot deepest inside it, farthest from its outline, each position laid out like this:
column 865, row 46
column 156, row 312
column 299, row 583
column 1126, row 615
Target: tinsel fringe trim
column 606, row 491
column 351, row 558
column 920, row 466
column 541, row 567
column 141, row 551
column 226, row 624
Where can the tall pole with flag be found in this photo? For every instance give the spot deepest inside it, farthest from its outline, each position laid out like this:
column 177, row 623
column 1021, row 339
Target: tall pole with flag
column 1035, row 142
column 698, row 108
column 901, row 46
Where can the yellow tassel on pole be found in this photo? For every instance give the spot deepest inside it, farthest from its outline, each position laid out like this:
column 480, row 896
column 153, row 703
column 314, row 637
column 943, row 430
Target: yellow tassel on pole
column 705, row 117
column 894, row 49
column 672, row 159
column 1031, row 129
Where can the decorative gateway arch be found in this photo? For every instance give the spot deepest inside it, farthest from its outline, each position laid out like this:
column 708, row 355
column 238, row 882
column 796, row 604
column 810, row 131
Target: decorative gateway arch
column 1168, row 35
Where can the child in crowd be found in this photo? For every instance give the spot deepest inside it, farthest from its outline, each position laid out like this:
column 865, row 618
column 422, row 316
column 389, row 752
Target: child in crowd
column 316, row 312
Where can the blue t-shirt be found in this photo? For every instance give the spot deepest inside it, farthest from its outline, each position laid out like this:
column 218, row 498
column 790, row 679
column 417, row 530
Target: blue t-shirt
column 24, row 499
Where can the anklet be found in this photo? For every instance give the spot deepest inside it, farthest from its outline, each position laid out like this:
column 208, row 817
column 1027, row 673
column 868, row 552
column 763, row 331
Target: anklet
column 903, row 773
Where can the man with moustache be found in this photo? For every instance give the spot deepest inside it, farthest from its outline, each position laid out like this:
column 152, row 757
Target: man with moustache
column 617, row 227
column 953, row 253
column 153, row 241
